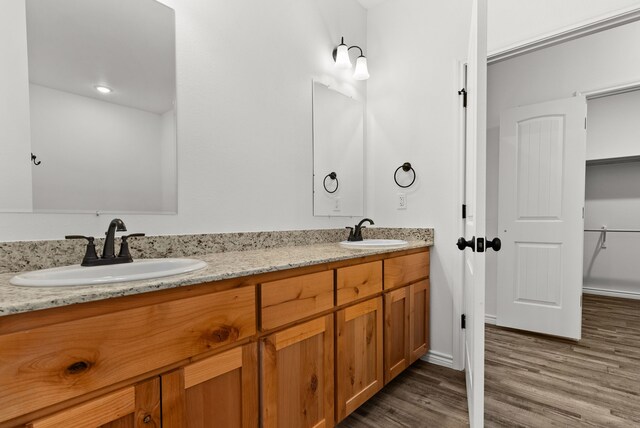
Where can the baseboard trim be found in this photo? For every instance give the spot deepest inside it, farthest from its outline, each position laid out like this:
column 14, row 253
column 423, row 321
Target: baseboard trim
column 613, row 20
column 611, row 293
column 438, row 358
column 490, row 319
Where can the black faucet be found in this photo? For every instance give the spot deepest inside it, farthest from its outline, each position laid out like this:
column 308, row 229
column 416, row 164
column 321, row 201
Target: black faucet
column 355, row 233
column 108, row 252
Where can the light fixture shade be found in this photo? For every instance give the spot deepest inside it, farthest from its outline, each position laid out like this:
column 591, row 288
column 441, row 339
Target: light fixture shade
column 361, row 72
column 342, row 57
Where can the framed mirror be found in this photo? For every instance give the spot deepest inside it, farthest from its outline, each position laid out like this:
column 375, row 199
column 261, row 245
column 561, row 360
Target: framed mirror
column 338, row 153
column 101, row 119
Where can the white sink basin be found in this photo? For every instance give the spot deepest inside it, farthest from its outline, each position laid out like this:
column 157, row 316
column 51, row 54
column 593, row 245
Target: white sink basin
column 95, row 275
column 373, row 244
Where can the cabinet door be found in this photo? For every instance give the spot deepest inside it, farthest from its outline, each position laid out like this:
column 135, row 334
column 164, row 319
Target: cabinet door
column 297, row 370
column 359, row 356
column 396, row 332
column 419, row 325
column 220, row 391
column 131, row 407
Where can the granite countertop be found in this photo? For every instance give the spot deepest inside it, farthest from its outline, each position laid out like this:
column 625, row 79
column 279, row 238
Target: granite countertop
column 14, row 300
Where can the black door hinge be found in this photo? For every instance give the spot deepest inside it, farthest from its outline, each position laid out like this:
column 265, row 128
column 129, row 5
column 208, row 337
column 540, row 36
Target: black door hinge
column 480, row 245
column 464, row 210
column 463, row 321
column 463, row 92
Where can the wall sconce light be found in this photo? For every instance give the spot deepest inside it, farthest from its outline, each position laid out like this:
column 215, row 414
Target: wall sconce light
column 341, row 57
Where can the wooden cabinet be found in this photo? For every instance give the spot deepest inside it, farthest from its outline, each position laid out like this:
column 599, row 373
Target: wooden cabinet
column 419, row 322
column 131, row 407
column 359, row 355
column 297, row 376
column 326, row 338
column 219, row 391
column 69, row 359
column 396, row 332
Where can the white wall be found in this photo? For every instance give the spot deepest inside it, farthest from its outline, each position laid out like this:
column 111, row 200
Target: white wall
column 597, row 61
column 244, row 118
column 169, row 163
column 413, row 49
column 15, row 188
column 614, row 128
column 613, row 199
column 514, row 22
column 96, row 155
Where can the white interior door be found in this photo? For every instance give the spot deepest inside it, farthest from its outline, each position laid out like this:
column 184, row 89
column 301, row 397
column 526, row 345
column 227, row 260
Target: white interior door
column 541, row 217
column 474, row 226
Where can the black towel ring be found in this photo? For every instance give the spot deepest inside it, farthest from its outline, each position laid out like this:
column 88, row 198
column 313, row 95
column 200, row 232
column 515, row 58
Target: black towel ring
column 333, row 176
column 406, row 167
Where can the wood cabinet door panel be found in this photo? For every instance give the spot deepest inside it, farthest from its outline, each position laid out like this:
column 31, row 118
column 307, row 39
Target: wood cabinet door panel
column 396, row 332
column 403, row 270
column 297, row 370
column 288, row 300
column 359, row 355
column 419, row 326
column 219, row 391
column 51, row 364
column 133, row 406
column 359, row 281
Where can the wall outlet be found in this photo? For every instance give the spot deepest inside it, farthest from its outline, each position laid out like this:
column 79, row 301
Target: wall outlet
column 402, row 201
column 337, row 205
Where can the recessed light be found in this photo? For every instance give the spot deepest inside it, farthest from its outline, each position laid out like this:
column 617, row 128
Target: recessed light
column 103, row 89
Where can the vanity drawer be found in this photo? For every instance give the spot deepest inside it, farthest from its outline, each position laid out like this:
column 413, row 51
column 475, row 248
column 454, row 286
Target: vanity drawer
column 292, row 299
column 356, row 282
column 403, row 270
column 47, row 365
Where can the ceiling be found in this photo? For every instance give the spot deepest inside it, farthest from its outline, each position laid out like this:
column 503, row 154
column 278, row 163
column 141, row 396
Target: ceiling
column 127, row 46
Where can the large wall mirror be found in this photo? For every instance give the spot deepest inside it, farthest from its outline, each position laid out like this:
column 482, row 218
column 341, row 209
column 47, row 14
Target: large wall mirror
column 101, row 109
column 338, row 153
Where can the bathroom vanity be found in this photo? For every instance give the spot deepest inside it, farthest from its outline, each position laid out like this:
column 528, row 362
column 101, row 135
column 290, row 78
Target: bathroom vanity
column 294, row 347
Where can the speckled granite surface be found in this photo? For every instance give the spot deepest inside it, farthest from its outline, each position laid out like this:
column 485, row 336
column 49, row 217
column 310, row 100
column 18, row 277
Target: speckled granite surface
column 33, row 255
column 221, row 266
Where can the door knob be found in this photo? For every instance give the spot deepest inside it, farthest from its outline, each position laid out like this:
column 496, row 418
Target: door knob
column 495, row 243
column 462, row 244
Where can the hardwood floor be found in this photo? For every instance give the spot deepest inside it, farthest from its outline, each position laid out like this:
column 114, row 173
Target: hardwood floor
column 424, row 395
column 540, row 381
column 532, row 380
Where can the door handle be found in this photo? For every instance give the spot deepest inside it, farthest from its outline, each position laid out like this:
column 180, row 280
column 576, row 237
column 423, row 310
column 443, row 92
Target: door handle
column 495, row 243
column 462, row 244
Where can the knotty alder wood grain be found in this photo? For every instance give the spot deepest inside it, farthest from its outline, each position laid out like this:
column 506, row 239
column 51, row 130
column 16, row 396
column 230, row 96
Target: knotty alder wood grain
column 127, row 408
column 359, row 355
column 292, row 299
column 358, row 282
column 219, row 391
column 48, row 365
column 399, row 271
column 396, row 332
column 297, row 376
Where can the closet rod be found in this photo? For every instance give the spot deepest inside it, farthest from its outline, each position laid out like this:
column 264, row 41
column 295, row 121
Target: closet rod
column 613, row 230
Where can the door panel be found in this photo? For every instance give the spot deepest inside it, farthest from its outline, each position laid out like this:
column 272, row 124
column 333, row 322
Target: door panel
column 297, row 376
column 359, row 365
column 541, row 198
column 397, row 312
column 221, row 390
column 419, row 325
column 475, row 200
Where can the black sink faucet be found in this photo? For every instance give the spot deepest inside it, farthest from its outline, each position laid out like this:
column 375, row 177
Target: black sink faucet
column 109, row 251
column 356, row 232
